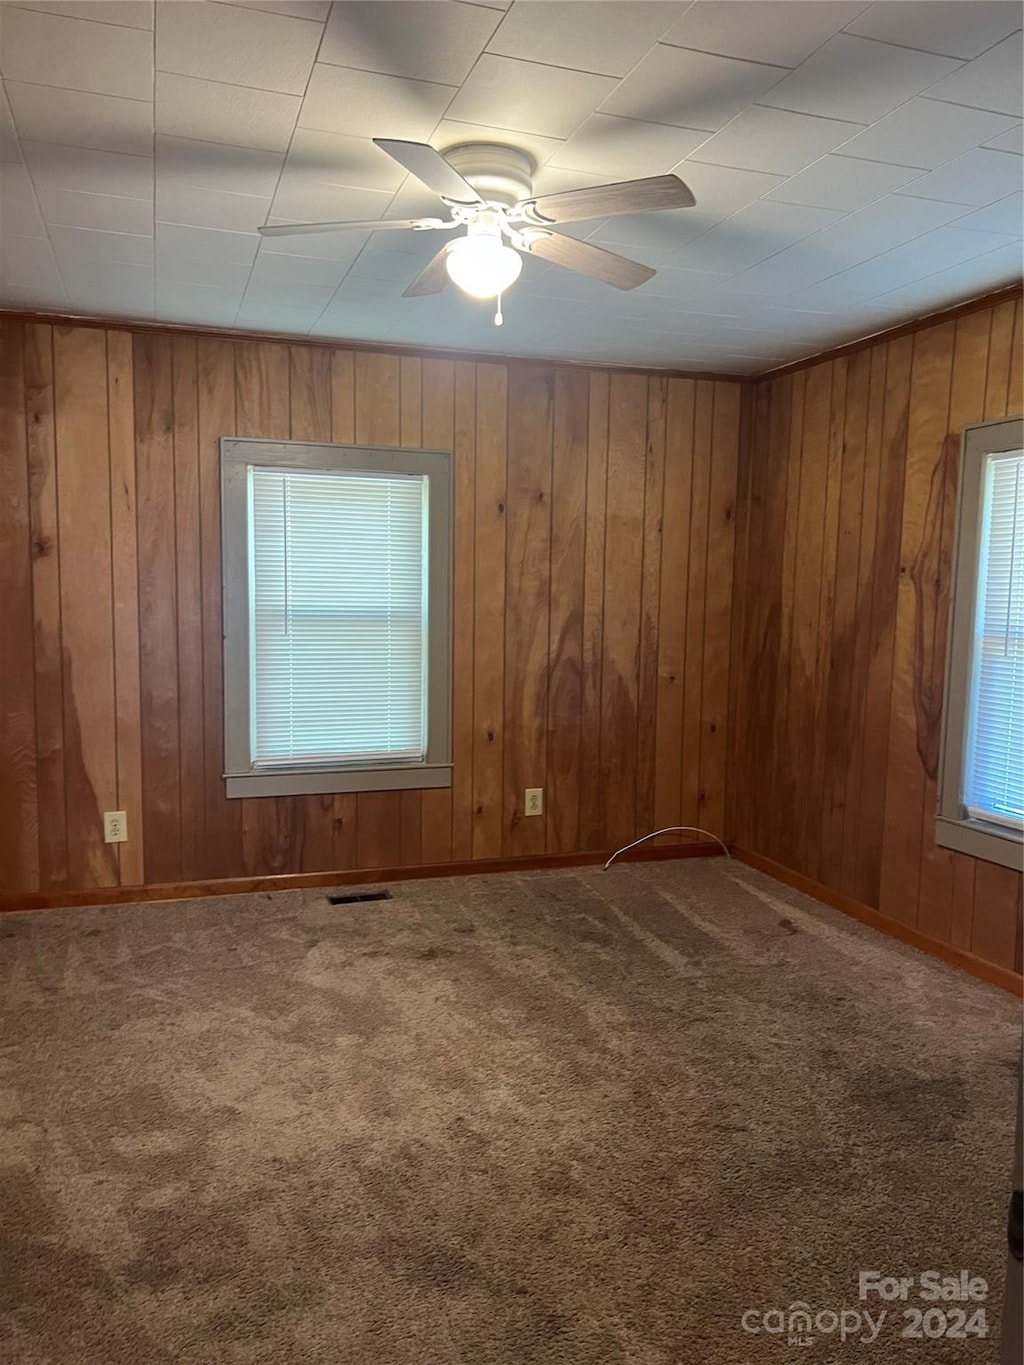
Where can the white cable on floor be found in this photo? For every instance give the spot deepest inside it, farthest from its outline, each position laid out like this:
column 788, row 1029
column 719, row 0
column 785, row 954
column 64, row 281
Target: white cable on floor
column 672, row 829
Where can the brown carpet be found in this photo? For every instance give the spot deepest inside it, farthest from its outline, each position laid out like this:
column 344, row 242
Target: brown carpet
column 575, row 1118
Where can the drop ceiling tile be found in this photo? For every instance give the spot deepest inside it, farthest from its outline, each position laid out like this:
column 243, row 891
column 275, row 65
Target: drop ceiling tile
column 298, row 9
column 222, row 248
column 954, row 28
column 337, row 160
column 782, row 32
column 173, row 269
column 328, row 247
column 992, row 81
column 1010, row 141
column 197, row 303
column 259, row 294
column 19, row 211
column 857, row 79
column 128, row 13
column 690, row 89
column 283, row 271
column 192, row 206
column 427, row 40
column 72, row 245
column 238, row 45
column 75, row 168
column 10, row 147
column 347, row 320
column 843, row 182
column 775, row 140
column 665, row 231
column 400, row 267
column 505, row 93
column 276, row 318
column 49, row 49
column 307, row 201
column 721, row 190
column 101, row 212
column 926, row 133
column 1006, row 216
column 74, row 118
column 586, row 35
column 623, row 148
column 973, row 277
column 366, row 104
column 212, row 166
column 211, row 111
column 752, row 235
column 28, row 262
column 454, row 133
column 109, row 287
column 978, row 177
column 368, row 291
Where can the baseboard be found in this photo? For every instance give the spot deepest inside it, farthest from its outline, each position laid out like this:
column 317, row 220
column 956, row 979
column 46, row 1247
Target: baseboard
column 945, row 952
column 235, row 886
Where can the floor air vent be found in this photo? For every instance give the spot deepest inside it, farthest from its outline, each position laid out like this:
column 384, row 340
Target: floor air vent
column 354, row 897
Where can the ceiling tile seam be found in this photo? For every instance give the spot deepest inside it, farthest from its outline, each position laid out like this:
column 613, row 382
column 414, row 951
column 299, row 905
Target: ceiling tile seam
column 280, row 173
column 729, row 57
column 39, row 208
column 927, row 51
column 273, row 14
column 904, row 193
column 51, row 14
column 959, row 104
column 923, row 279
column 79, row 90
column 233, row 85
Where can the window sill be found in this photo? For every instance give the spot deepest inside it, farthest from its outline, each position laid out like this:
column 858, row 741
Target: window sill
column 979, row 840
column 310, row 782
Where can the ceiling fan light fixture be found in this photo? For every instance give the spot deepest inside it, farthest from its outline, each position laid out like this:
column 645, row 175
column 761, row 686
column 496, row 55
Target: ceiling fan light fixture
column 483, row 266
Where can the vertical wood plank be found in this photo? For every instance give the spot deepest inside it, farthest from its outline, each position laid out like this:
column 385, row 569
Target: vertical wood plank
column 566, row 591
column 913, row 732
column 592, row 808
column 344, row 806
column 737, row 607
column 997, row 381
column 190, row 602
column 1015, row 392
column 489, row 611
column 528, row 565
column 714, row 742
column 650, row 602
column 49, row 667
column 464, row 586
column 997, row 908
column 627, row 419
column 410, row 421
column 697, row 580
column 438, row 434
column 83, row 494
column 124, row 551
column 222, row 821
column 673, row 601
column 19, row 844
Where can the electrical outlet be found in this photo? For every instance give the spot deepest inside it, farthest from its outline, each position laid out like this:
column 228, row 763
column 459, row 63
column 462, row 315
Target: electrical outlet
column 534, row 804
column 115, row 827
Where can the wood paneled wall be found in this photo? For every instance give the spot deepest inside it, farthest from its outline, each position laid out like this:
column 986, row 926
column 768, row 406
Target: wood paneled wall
column 594, row 540
column 842, row 592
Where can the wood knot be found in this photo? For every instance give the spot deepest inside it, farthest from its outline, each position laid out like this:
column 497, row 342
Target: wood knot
column 714, row 728
column 479, row 810
column 41, row 547
column 501, row 509
column 490, row 736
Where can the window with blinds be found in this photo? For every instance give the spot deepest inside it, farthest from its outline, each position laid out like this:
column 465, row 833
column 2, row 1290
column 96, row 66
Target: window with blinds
column 337, row 618
column 981, row 770
column 994, row 768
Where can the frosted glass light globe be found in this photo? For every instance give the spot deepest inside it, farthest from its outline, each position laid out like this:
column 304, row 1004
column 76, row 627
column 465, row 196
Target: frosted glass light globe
column 483, row 266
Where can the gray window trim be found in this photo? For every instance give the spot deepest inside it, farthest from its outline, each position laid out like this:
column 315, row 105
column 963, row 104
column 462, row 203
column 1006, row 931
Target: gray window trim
column 953, row 828
column 241, row 779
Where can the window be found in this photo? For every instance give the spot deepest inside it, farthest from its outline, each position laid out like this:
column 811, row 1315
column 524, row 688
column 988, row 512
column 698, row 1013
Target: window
column 981, row 785
column 336, row 618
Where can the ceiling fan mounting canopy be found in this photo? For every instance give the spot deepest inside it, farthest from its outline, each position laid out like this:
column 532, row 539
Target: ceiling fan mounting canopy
column 488, row 190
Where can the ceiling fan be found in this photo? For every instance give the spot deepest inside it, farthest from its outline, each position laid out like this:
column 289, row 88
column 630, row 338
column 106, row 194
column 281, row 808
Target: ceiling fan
column 487, row 190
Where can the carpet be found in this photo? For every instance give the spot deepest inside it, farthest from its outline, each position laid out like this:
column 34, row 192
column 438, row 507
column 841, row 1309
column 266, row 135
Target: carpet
column 565, row 1118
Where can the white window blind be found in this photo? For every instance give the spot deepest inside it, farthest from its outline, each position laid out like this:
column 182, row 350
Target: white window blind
column 994, row 772
column 338, row 617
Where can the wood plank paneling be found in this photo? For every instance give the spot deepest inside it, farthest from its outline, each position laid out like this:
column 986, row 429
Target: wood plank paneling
column 579, row 600
column 866, row 537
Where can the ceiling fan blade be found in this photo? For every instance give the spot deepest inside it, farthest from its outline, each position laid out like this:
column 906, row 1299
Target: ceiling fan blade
column 430, row 167
column 359, row 224
column 605, row 201
column 587, row 259
column 432, row 278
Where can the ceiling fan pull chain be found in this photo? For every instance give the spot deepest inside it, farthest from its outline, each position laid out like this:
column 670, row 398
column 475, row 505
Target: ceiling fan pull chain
column 498, row 318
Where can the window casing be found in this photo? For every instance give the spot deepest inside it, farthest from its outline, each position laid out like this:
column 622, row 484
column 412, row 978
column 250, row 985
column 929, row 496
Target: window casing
column 981, row 777
column 337, row 618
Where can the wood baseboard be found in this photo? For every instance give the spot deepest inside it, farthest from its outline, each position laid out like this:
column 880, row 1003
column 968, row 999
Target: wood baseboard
column 235, row 886
column 945, row 952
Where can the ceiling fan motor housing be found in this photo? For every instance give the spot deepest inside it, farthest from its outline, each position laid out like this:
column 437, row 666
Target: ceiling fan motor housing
column 500, row 175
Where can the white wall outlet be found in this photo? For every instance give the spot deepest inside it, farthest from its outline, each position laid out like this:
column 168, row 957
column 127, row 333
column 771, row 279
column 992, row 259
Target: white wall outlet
column 115, row 827
column 534, row 804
